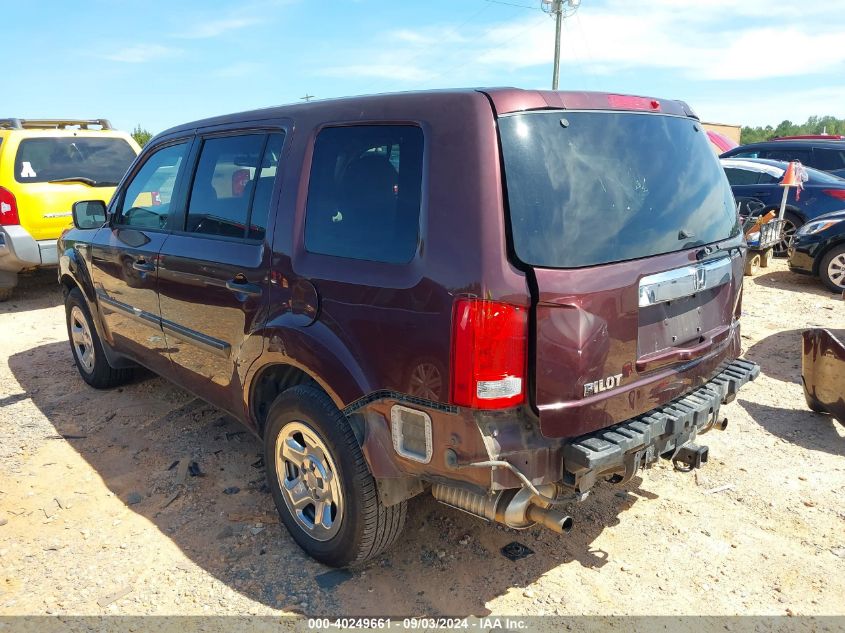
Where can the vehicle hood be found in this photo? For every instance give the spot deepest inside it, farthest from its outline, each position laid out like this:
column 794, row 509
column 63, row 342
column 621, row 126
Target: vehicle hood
column 833, row 215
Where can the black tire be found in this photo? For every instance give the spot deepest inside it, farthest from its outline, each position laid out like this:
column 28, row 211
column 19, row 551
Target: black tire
column 827, row 263
column 6, row 293
column 367, row 527
column 752, row 264
column 791, row 224
column 100, row 375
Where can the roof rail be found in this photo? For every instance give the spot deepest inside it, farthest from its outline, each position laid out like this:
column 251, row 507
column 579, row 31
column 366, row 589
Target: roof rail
column 58, row 124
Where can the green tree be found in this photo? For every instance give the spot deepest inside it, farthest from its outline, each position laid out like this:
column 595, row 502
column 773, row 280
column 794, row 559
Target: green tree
column 813, row 125
column 141, row 135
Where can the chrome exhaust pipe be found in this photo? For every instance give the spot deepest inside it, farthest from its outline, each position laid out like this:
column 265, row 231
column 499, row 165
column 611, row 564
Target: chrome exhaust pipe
column 554, row 520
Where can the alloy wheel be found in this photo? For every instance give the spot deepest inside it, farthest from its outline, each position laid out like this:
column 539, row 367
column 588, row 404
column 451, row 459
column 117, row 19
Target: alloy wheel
column 81, row 340
column 836, row 270
column 309, row 481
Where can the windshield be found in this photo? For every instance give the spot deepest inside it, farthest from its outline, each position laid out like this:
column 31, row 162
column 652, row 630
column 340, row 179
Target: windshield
column 587, row 188
column 102, row 161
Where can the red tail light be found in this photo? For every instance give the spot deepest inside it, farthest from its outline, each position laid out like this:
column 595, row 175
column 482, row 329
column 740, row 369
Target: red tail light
column 8, row 208
column 489, row 341
column 839, row 194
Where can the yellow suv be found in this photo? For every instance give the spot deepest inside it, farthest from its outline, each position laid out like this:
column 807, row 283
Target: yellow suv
column 45, row 166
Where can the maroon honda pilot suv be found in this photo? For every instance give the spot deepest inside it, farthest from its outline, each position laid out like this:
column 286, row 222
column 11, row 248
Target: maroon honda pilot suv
column 498, row 296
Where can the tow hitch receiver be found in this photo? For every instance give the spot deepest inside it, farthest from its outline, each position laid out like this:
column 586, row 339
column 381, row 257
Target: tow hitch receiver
column 690, row 456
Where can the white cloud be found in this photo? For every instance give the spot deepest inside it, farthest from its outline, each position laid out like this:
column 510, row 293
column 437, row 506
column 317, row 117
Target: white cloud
column 396, row 72
column 766, row 108
column 714, row 40
column 214, row 28
column 237, row 70
column 140, row 53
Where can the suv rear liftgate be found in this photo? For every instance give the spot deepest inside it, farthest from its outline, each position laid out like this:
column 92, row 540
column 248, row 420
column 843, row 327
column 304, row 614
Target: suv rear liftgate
column 625, row 225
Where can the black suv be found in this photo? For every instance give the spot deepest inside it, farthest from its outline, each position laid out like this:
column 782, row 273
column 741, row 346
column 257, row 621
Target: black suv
column 827, row 155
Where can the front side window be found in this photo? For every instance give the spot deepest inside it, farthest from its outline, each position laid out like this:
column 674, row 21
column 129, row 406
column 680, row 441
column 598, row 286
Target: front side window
column 231, row 191
column 146, row 203
column 101, row 162
column 364, row 193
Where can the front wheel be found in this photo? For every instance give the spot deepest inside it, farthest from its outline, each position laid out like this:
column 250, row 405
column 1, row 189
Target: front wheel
column 832, row 269
column 320, row 482
column 86, row 347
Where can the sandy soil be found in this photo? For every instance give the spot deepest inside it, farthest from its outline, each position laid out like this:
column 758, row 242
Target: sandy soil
column 93, row 521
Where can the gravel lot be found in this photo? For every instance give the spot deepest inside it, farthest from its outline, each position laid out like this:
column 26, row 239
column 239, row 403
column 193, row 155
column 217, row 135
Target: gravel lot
column 93, row 519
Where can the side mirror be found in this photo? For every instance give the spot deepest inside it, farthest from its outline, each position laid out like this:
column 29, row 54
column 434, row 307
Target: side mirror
column 89, row 214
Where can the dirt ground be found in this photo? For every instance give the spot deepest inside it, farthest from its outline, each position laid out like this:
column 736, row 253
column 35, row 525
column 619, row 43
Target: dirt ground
column 94, row 521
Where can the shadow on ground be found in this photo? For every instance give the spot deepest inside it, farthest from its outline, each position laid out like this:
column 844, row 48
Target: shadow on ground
column 813, row 431
column 445, row 563
column 779, row 355
column 35, row 290
column 793, row 282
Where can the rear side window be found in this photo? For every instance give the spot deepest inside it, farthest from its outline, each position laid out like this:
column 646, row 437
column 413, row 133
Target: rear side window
column 232, row 186
column 829, row 159
column 364, row 193
column 588, row 188
column 788, row 155
column 102, row 161
column 146, row 203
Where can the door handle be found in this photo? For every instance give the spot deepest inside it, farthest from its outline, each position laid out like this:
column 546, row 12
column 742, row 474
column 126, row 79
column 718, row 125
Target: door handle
column 240, row 285
column 141, row 265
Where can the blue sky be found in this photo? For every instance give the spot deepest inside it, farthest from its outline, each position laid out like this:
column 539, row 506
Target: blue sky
column 158, row 63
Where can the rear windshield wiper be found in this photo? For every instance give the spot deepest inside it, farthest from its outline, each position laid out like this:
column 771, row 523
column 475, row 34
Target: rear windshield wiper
column 84, row 180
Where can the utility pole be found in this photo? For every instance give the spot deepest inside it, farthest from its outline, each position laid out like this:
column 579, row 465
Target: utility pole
column 558, row 12
column 559, row 9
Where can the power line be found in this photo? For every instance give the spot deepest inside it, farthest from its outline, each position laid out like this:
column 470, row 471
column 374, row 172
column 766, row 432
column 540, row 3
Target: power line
column 495, row 46
column 512, row 4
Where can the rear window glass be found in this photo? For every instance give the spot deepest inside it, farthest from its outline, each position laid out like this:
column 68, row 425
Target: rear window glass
column 364, row 193
column 587, row 188
column 103, row 161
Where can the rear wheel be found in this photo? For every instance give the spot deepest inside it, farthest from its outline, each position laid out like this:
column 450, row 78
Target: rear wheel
column 766, row 257
column 832, row 269
column 752, row 264
column 86, row 347
column 323, row 490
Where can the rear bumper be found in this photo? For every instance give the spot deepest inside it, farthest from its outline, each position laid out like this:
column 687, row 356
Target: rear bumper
column 620, row 450
column 19, row 250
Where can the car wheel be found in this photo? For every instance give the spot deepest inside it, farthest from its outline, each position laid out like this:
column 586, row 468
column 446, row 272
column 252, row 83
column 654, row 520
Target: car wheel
column 86, row 347
column 752, row 264
column 320, row 482
column 832, row 269
column 791, row 223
